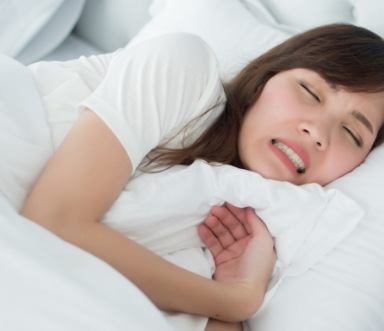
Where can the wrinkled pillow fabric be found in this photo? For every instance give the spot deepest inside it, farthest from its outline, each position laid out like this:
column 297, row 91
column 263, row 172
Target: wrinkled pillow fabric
column 21, row 20
column 233, row 33
column 31, row 29
column 344, row 290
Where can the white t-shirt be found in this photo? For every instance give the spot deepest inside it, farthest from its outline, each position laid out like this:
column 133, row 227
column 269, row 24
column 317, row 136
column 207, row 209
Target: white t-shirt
column 145, row 93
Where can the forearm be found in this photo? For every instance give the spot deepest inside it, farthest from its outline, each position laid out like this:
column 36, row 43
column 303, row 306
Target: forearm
column 168, row 286
column 215, row 325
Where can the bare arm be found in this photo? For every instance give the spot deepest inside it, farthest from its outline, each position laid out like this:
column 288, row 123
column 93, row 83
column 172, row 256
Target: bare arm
column 215, row 325
column 77, row 187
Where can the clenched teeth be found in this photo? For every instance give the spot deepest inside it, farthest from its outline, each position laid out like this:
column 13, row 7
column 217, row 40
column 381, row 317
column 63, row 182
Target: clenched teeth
column 296, row 160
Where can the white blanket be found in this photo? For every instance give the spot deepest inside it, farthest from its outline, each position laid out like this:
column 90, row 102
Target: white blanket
column 158, row 210
column 161, row 211
column 46, row 283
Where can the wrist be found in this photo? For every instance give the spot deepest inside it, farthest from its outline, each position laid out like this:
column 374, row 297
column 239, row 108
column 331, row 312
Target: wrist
column 240, row 302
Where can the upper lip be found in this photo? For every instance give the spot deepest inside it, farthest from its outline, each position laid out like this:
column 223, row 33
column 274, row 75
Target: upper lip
column 298, row 150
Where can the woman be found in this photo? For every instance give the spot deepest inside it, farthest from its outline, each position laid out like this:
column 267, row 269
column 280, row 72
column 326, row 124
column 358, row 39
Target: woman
column 309, row 110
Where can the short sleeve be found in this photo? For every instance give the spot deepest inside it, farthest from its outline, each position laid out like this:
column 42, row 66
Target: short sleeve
column 155, row 87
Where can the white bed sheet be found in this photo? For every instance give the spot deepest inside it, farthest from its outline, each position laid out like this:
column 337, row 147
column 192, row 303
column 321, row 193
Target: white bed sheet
column 48, row 284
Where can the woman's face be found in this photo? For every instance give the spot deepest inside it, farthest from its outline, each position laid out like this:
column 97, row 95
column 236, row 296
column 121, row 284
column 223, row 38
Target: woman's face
column 303, row 130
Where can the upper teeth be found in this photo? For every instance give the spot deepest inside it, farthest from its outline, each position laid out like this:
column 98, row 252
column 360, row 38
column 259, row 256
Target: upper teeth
column 298, row 162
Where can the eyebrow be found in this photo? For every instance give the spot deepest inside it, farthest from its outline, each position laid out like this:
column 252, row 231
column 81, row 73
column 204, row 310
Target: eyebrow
column 363, row 119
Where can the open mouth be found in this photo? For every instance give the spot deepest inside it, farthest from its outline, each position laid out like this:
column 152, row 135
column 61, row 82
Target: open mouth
column 291, row 154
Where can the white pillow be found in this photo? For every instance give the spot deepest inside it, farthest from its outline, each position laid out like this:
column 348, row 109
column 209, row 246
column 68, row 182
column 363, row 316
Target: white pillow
column 344, row 290
column 302, row 14
column 31, row 29
column 20, row 20
column 233, row 33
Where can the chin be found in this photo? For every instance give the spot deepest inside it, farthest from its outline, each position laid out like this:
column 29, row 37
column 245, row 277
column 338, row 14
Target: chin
column 275, row 173
column 268, row 174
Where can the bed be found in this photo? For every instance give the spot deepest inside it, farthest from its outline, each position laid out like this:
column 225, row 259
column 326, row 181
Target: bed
column 48, row 284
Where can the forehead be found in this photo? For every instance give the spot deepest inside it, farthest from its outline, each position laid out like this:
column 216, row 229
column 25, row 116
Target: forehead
column 309, row 74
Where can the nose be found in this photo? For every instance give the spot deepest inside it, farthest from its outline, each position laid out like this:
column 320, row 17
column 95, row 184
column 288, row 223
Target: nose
column 316, row 133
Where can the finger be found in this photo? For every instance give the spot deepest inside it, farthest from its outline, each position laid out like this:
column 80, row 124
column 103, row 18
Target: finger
column 256, row 225
column 230, row 221
column 219, row 230
column 239, row 213
column 209, row 239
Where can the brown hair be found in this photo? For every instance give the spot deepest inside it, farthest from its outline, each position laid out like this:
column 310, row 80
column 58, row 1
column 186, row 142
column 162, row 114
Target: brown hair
column 344, row 55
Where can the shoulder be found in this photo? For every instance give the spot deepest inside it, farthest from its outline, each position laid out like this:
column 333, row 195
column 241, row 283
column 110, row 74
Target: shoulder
column 182, row 60
column 178, row 48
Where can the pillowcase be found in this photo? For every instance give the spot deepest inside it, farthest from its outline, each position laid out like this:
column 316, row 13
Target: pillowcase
column 233, row 33
column 297, row 15
column 31, row 29
column 21, row 20
column 344, row 290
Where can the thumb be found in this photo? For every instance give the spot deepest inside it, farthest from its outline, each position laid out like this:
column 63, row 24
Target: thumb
column 253, row 223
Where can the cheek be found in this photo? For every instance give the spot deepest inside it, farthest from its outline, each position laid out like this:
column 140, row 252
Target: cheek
column 267, row 116
column 337, row 167
column 278, row 103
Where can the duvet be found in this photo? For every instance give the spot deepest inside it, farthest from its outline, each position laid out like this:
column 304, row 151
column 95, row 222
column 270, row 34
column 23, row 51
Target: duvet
column 46, row 283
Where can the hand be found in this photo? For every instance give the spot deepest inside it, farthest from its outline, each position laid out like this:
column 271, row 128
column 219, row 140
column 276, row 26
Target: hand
column 242, row 246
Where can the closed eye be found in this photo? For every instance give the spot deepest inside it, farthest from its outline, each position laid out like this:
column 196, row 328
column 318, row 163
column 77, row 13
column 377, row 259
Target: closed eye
column 356, row 140
column 309, row 91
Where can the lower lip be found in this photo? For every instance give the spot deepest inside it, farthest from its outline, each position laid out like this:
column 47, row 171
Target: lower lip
column 284, row 158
